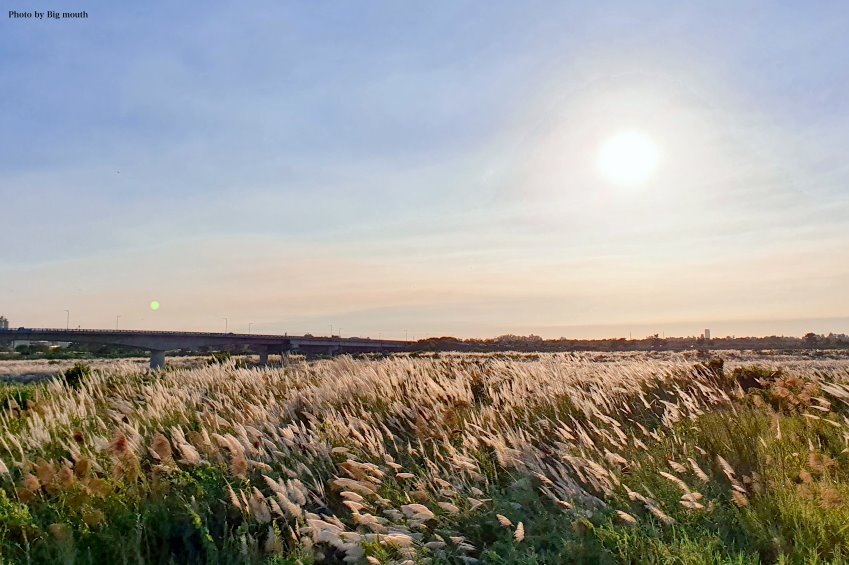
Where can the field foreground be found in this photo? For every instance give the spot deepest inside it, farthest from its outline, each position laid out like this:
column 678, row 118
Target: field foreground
column 450, row 459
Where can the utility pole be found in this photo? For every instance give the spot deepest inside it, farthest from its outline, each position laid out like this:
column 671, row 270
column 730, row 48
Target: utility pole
column 67, row 320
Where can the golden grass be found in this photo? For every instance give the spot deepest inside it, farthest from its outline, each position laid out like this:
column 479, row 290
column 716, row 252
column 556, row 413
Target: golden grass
column 388, row 448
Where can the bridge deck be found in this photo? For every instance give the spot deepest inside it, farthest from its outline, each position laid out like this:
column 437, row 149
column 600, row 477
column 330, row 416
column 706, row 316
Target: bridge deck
column 158, row 342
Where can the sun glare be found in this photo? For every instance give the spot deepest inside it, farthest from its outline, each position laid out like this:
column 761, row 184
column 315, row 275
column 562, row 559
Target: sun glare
column 628, row 158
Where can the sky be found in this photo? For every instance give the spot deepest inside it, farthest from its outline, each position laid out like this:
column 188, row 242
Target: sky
column 392, row 169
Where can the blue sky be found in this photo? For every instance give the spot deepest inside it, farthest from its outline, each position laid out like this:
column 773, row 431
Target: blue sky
column 428, row 167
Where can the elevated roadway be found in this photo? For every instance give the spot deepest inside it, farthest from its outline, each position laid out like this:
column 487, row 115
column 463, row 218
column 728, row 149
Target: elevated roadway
column 160, row 342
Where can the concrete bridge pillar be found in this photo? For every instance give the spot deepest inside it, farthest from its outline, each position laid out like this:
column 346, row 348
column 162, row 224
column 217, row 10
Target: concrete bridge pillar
column 157, row 360
column 262, row 351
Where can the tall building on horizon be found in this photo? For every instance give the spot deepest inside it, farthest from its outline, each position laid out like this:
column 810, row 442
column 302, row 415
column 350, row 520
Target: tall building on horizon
column 4, row 323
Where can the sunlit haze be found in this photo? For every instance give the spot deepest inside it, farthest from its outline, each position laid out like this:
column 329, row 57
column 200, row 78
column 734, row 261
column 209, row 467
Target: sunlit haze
column 628, row 158
column 448, row 168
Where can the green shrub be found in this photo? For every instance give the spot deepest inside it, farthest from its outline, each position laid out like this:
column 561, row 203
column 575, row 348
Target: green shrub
column 76, row 374
column 754, row 376
column 714, row 366
column 220, row 357
column 16, row 396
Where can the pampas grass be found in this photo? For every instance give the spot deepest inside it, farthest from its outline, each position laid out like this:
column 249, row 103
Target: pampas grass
column 388, row 459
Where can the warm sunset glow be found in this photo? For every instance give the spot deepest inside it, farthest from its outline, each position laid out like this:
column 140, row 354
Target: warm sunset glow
column 561, row 169
column 628, row 158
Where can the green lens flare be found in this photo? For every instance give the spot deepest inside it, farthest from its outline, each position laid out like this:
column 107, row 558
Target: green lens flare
column 154, row 305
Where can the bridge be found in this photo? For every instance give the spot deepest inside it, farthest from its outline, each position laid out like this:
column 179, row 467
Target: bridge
column 160, row 342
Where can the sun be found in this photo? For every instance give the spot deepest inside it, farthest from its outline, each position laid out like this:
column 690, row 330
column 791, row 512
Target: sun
column 628, row 158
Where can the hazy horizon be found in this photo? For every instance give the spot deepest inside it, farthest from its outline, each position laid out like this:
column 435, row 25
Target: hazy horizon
column 443, row 169
column 718, row 328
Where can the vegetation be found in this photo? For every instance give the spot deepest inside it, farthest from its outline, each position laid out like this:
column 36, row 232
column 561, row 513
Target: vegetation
column 73, row 351
column 440, row 459
column 811, row 344
column 76, row 374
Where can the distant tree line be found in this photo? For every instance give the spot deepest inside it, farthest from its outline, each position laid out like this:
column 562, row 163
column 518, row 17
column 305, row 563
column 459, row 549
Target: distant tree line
column 40, row 350
column 534, row 343
column 507, row 342
column 72, row 351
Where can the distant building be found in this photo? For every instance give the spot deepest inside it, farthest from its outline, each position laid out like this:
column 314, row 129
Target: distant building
column 707, row 335
column 4, row 323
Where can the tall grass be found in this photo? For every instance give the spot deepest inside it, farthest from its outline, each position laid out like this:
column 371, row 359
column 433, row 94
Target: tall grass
column 448, row 459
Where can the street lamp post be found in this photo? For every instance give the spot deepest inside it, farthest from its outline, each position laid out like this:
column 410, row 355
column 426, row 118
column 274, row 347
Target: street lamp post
column 67, row 320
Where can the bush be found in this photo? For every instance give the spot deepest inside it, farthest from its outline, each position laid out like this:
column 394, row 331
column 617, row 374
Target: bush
column 75, row 375
column 715, row 366
column 219, row 357
column 753, row 376
column 16, row 397
column 792, row 394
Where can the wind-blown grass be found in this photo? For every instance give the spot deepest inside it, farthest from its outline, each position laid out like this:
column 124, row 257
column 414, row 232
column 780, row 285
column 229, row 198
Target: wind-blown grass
column 542, row 459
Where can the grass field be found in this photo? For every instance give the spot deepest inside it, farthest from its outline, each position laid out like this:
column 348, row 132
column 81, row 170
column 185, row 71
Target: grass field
column 432, row 459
